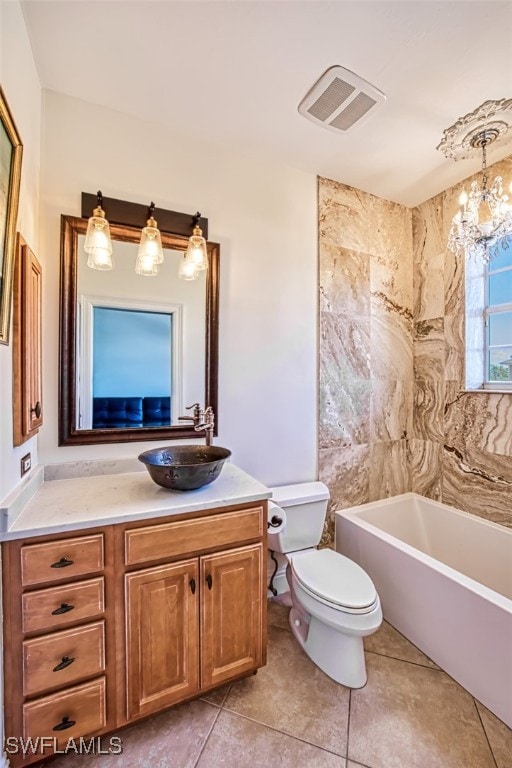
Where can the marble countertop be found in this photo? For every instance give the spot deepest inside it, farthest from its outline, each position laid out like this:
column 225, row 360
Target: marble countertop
column 85, row 502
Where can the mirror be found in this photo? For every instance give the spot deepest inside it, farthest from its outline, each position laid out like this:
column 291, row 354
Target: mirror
column 134, row 350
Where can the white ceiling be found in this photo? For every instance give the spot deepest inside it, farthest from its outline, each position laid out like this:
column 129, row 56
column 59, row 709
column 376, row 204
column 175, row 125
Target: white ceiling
column 234, row 72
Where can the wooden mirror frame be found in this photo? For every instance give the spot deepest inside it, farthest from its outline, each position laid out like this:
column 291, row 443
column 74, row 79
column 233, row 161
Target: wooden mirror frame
column 71, row 228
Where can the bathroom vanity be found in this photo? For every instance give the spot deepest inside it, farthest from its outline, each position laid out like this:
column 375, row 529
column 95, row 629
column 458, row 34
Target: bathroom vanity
column 122, row 599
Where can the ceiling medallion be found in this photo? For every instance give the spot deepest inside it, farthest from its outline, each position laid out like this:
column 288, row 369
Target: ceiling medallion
column 493, row 116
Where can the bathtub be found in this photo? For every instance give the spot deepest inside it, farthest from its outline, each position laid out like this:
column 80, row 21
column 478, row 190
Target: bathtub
column 445, row 582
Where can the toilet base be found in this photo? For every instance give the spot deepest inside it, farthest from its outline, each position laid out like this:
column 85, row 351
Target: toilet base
column 340, row 656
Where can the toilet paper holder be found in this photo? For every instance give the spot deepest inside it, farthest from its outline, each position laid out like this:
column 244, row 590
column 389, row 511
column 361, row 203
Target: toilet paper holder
column 275, row 521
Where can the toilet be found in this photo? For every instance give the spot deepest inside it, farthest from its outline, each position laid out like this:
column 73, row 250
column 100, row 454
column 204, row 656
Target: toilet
column 334, row 601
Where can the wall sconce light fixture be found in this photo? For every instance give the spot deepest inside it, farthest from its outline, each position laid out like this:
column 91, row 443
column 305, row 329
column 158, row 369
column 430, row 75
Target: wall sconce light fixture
column 98, row 244
column 196, row 256
column 196, row 251
column 150, row 253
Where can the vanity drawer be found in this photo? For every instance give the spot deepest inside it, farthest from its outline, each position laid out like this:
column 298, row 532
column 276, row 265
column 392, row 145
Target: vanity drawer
column 64, row 559
column 186, row 536
column 47, row 609
column 78, row 711
column 63, row 657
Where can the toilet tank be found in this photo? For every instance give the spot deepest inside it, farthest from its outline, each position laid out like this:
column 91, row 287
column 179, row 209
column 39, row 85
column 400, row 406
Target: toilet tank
column 304, row 506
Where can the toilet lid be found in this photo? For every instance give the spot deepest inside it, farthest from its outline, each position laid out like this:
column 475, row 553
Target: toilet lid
column 334, row 578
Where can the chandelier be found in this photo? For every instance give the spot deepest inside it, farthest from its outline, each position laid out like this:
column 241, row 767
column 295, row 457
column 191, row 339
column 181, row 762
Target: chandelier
column 484, row 217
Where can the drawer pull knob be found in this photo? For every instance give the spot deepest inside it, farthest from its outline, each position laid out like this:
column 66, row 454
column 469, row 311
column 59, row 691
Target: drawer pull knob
column 193, row 586
column 66, row 661
column 36, row 409
column 64, row 724
column 209, row 581
column 62, row 563
column 64, row 608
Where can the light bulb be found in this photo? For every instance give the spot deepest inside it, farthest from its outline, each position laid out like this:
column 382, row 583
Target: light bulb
column 151, row 242
column 98, row 244
column 463, row 198
column 151, row 246
column 486, row 228
column 100, row 259
column 187, row 270
column 146, row 266
column 196, row 251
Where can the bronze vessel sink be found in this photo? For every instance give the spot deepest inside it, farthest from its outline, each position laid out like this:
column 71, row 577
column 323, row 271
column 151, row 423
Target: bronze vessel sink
column 184, row 467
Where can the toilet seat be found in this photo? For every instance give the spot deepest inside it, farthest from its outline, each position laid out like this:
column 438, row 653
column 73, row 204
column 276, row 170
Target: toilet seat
column 335, row 580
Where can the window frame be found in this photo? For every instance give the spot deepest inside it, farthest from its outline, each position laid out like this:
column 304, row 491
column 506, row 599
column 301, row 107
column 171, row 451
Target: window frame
column 84, row 355
column 489, row 310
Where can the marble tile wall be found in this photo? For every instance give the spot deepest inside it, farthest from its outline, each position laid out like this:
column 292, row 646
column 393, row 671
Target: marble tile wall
column 366, row 345
column 461, row 446
column 393, row 413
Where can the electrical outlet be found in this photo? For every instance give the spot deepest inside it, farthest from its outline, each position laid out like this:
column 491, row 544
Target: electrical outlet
column 26, row 463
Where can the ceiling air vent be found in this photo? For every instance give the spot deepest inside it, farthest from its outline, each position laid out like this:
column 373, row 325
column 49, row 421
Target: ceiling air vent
column 340, row 99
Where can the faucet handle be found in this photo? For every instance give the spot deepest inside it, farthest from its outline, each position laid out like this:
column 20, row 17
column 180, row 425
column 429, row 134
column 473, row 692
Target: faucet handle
column 198, row 414
column 207, row 424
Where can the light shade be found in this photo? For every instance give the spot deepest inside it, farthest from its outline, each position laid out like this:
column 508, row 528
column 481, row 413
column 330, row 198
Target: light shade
column 196, row 251
column 151, row 242
column 98, row 244
column 146, row 266
column 187, row 270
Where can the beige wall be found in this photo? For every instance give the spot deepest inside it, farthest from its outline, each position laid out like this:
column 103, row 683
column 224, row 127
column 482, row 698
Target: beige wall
column 393, row 413
column 20, row 83
column 264, row 217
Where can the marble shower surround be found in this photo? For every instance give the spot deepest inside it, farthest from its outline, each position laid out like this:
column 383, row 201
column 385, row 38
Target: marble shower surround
column 366, row 345
column 393, row 414
column 462, row 440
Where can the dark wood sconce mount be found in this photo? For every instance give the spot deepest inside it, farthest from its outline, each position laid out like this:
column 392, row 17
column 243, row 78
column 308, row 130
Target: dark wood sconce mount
column 136, row 215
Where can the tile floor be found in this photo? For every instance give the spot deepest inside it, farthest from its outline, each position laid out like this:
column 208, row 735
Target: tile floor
column 409, row 715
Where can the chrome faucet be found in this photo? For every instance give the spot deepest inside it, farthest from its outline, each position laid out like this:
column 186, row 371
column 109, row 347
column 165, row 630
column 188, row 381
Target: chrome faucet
column 207, row 423
column 202, row 420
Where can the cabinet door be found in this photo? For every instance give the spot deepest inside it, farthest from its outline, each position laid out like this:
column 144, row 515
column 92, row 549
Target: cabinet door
column 162, row 626
column 27, row 341
column 231, row 613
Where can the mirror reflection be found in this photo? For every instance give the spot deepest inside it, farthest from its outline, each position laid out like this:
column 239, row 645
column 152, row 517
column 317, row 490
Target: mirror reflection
column 140, row 350
column 135, row 349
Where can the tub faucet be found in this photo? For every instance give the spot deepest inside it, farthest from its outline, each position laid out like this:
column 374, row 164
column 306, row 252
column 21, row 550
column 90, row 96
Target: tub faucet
column 207, row 423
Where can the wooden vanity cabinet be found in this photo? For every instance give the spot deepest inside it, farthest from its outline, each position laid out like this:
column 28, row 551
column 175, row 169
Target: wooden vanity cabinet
column 59, row 640
column 105, row 626
column 209, row 607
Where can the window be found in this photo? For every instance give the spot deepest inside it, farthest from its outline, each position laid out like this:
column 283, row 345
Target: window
column 498, row 319
column 489, row 321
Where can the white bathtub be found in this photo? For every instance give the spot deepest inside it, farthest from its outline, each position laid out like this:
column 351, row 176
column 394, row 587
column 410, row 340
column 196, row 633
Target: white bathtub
column 445, row 582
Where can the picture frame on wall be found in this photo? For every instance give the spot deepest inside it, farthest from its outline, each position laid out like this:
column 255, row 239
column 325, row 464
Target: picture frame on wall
column 11, row 150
